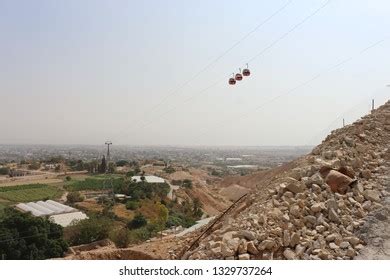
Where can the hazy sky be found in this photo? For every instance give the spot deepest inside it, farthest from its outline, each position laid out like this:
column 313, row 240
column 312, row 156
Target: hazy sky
column 81, row 72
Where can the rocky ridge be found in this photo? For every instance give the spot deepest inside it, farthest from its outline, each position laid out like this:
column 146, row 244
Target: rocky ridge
column 313, row 210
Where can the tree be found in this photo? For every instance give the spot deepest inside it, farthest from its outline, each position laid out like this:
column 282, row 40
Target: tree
column 111, row 167
column 34, row 166
column 187, row 183
column 89, row 230
column 137, row 170
column 137, row 222
column 30, row 237
column 169, row 169
column 4, row 171
column 103, row 165
column 162, row 217
column 122, row 162
column 197, row 208
column 79, row 166
column 56, row 159
column 92, row 166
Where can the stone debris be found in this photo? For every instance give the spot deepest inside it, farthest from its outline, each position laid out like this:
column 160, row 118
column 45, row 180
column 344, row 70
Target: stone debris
column 311, row 211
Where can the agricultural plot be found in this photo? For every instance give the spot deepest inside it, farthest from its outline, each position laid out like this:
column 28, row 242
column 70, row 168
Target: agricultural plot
column 32, row 192
column 93, row 184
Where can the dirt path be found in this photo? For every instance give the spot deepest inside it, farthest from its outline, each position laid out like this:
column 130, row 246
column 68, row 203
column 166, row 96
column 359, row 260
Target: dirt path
column 376, row 231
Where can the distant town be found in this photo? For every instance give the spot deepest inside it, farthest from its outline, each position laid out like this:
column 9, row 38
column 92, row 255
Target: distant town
column 134, row 193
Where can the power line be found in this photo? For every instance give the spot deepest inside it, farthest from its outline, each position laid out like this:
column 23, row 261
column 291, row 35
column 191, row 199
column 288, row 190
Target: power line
column 215, row 60
column 353, row 108
column 276, row 41
column 301, row 85
column 284, row 35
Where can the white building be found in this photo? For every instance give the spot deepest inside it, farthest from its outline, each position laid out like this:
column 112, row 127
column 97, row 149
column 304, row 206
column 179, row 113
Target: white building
column 148, row 179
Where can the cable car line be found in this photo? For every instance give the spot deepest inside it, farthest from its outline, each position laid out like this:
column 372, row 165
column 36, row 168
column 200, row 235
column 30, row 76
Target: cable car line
column 224, row 53
column 296, row 26
column 301, row 85
column 203, row 91
column 284, row 35
column 351, row 109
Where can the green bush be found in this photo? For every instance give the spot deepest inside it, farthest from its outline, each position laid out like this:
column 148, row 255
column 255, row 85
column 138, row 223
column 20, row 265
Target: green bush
column 137, row 222
column 121, row 238
column 132, row 205
column 177, row 182
column 68, row 178
column 187, row 183
column 169, row 169
column 4, row 171
column 122, row 162
column 73, row 197
column 180, row 219
column 142, row 190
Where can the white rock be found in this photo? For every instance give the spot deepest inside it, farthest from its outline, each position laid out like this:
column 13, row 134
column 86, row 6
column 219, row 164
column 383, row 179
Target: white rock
column 289, row 254
column 344, row 245
column 244, row 257
column 333, row 216
column 333, row 246
column 317, row 207
column 372, row 195
column 295, row 238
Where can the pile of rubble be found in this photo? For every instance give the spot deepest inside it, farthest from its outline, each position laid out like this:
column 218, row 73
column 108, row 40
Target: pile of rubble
column 314, row 210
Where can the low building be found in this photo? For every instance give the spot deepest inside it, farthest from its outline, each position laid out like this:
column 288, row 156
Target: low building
column 56, row 212
column 148, row 179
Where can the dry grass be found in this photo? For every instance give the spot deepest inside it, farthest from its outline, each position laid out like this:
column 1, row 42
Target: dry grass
column 122, row 213
column 90, row 205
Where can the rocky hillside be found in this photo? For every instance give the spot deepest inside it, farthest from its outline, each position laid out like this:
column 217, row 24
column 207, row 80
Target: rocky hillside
column 314, row 207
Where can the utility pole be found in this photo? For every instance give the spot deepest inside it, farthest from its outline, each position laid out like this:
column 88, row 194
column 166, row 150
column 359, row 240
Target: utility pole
column 343, row 122
column 108, row 143
column 372, row 104
column 109, row 180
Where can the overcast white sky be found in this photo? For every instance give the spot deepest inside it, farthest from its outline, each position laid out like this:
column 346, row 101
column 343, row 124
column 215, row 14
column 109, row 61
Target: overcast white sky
column 81, row 72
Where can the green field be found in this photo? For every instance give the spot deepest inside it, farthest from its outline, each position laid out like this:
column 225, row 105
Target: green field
column 32, row 192
column 92, row 184
column 107, row 176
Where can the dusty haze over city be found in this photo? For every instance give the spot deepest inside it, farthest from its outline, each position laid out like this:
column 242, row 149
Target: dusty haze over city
column 77, row 73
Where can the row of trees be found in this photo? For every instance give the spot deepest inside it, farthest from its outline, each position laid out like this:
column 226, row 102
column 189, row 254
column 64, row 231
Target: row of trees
column 142, row 190
column 93, row 166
